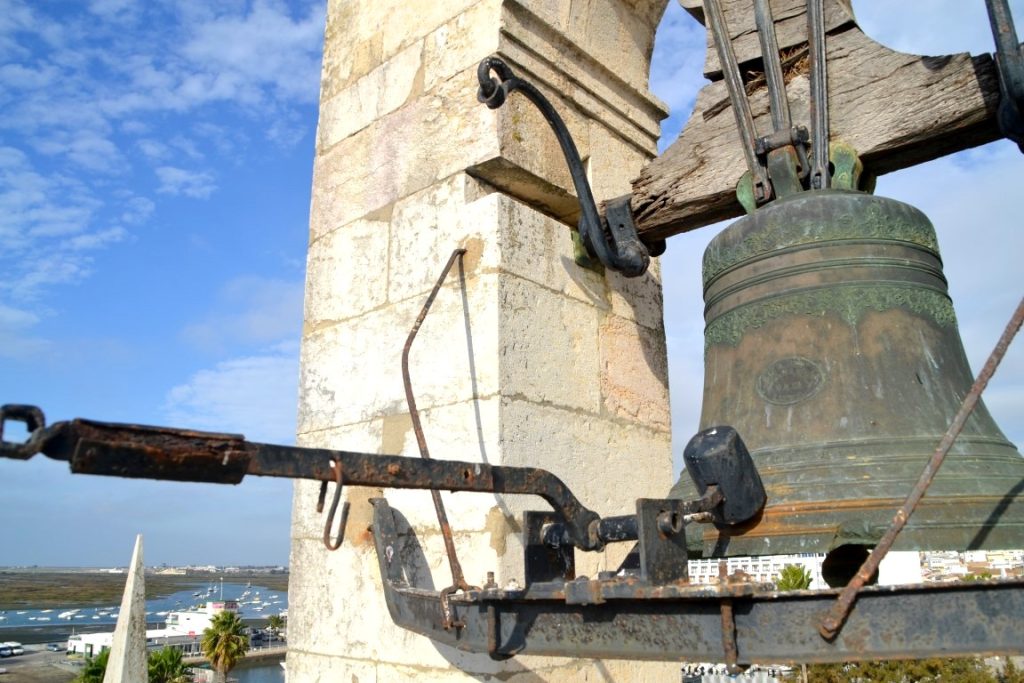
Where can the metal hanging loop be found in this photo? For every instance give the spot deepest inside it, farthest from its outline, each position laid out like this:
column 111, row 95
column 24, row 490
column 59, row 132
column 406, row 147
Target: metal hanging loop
column 334, row 543
column 616, row 248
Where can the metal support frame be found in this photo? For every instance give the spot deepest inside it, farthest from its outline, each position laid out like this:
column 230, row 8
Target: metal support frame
column 646, row 610
column 627, row 617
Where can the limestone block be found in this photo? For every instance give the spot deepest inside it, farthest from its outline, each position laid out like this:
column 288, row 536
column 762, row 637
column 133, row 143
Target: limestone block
column 365, row 437
column 321, row 616
column 461, row 43
column 639, row 299
column 326, row 623
column 362, row 36
column 452, row 357
column 596, row 87
column 537, row 248
column 308, row 666
column 428, row 225
column 346, row 272
column 606, row 32
column 406, row 21
column 347, row 375
column 548, row 346
column 614, row 162
column 351, row 372
column 634, row 373
column 432, row 137
column 607, row 464
column 381, row 91
column 467, row 431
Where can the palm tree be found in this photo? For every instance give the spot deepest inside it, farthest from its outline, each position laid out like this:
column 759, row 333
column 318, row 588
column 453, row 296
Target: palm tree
column 276, row 623
column 224, row 643
column 166, row 666
column 95, row 668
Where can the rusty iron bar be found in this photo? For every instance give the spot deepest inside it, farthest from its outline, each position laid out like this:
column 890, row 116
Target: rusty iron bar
column 781, row 119
column 738, row 98
column 458, row 579
column 729, row 649
column 820, row 178
column 141, row 452
column 836, row 617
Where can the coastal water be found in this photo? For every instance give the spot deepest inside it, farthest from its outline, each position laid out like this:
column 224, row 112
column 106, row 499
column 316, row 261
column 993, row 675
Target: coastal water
column 264, row 674
column 255, row 603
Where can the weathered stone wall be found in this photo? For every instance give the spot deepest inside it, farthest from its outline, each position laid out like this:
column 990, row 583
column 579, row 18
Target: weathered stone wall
column 525, row 358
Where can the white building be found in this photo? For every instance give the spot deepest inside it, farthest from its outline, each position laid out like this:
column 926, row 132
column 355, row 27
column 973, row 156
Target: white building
column 760, row 568
column 183, row 630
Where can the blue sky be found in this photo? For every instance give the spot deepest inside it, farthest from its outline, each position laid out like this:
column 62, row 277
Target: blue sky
column 155, row 164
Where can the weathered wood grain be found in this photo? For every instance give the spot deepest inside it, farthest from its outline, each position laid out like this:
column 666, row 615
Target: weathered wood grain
column 896, row 109
column 790, row 27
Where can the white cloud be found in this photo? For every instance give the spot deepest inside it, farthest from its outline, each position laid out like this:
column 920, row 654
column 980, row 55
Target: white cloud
column 254, row 395
column 137, row 210
column 178, row 181
column 250, row 310
column 88, row 93
column 263, row 47
column 16, row 339
column 943, row 27
column 97, row 239
column 46, row 222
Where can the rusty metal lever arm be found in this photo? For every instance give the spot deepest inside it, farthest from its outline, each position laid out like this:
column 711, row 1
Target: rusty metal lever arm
column 136, row 451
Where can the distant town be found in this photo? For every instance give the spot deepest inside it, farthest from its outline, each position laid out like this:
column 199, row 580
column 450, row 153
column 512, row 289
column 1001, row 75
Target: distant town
column 899, row 567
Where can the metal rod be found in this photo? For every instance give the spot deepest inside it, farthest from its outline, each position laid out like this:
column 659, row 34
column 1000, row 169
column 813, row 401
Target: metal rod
column 1003, row 31
column 820, row 178
column 1010, row 66
column 781, row 119
column 738, row 97
column 834, row 620
column 458, row 579
column 729, row 649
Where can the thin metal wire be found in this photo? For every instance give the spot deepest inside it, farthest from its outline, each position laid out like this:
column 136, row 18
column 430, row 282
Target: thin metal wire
column 836, row 616
column 820, row 178
column 458, row 579
column 738, row 98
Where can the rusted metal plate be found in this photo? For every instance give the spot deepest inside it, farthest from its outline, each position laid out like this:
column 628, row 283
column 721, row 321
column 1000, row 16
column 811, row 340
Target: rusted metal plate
column 628, row 619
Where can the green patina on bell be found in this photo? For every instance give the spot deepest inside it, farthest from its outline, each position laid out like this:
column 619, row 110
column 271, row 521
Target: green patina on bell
column 832, row 348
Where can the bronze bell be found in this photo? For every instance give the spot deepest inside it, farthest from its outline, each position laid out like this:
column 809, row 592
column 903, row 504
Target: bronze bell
column 831, row 346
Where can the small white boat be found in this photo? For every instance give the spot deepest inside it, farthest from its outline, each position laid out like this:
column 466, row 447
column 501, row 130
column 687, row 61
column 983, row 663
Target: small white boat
column 43, row 619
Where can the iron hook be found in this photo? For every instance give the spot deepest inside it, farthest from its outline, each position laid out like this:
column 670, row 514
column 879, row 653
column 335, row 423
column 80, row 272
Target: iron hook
column 334, row 544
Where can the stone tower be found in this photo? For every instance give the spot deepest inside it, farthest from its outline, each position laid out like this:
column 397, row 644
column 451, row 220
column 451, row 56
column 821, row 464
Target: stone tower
column 525, row 359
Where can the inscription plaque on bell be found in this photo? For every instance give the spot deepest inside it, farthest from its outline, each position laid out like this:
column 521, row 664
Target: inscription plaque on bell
column 790, row 380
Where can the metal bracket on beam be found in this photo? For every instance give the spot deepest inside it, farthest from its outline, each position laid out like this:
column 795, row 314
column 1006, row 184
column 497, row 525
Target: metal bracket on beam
column 613, row 242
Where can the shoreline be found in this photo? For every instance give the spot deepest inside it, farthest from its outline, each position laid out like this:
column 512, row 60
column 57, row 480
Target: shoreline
column 59, row 633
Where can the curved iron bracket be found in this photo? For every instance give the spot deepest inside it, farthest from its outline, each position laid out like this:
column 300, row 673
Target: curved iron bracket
column 613, row 242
